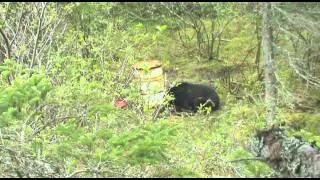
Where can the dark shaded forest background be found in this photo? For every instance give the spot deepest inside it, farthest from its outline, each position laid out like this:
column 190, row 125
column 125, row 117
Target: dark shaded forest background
column 63, row 64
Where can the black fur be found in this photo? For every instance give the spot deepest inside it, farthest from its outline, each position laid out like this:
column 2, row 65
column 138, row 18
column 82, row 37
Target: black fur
column 189, row 96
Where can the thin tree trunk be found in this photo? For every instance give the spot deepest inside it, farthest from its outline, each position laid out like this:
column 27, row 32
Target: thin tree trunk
column 37, row 37
column 270, row 80
column 259, row 74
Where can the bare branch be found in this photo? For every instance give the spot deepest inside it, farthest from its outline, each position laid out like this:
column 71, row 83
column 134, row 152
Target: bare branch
column 37, row 35
column 248, row 159
column 7, row 44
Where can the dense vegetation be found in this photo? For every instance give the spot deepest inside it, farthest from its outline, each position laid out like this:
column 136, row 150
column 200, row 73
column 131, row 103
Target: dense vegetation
column 62, row 65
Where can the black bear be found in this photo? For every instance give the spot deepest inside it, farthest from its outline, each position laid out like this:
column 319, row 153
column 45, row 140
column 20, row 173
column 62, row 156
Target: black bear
column 189, row 96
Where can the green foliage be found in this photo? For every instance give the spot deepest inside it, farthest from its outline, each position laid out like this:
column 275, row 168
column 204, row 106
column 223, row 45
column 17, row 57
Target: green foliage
column 67, row 69
column 203, row 109
column 25, row 94
column 103, row 109
column 11, row 68
column 176, row 172
column 143, row 145
column 69, row 131
column 251, row 168
column 305, row 125
column 309, row 122
column 308, row 136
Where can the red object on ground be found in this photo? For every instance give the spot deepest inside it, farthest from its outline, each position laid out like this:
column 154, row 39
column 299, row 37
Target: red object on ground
column 121, row 103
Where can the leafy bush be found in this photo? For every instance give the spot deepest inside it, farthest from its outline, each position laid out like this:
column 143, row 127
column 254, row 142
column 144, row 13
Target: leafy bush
column 24, row 95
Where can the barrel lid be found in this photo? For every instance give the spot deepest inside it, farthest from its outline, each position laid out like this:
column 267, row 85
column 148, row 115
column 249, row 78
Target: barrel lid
column 147, row 64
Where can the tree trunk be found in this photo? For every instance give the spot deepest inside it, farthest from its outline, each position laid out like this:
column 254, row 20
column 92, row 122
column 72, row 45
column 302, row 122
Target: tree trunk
column 258, row 53
column 270, row 80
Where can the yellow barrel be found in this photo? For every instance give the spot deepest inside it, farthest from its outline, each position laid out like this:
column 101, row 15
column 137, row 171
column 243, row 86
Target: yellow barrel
column 149, row 75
